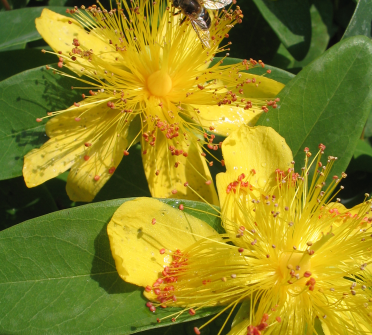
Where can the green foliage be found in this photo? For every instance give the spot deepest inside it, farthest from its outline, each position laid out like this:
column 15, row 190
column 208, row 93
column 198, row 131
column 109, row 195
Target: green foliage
column 57, row 272
column 324, row 98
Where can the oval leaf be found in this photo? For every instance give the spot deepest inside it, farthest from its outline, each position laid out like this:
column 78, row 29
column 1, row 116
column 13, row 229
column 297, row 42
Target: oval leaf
column 360, row 23
column 327, row 102
column 291, row 22
column 57, row 272
column 18, row 26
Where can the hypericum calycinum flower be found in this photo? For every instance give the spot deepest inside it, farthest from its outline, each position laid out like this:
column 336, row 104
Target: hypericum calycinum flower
column 145, row 78
column 290, row 255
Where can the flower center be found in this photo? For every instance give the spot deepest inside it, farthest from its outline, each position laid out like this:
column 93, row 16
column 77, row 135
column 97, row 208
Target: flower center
column 159, row 83
column 294, row 270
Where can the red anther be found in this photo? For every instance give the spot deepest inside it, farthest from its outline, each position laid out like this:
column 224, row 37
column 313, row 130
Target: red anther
column 97, row 177
column 241, row 177
column 111, row 170
column 38, row 120
column 87, row 144
column 181, row 207
column 77, row 119
column 254, row 242
column 307, row 274
column 148, row 304
column 162, row 251
column 83, row 96
column 125, row 152
column 210, row 146
column 279, row 319
column 158, row 320
column 157, row 291
column 265, row 317
column 262, row 326
column 153, row 221
column 185, row 154
column 268, row 71
column 196, row 331
column 73, row 58
column 227, row 35
column 215, row 147
column 242, row 228
column 311, row 252
column 210, row 163
column 91, row 92
column 186, row 184
column 211, row 128
column 200, row 87
column 174, row 298
column 222, row 162
column 144, row 152
column 321, row 146
column 76, row 104
column 241, row 249
column 191, row 311
column 306, row 149
column 157, row 172
column 163, row 305
column 174, row 191
column 311, row 287
column 208, row 182
column 86, row 157
column 148, row 288
column 60, row 64
column 335, row 177
column 152, row 309
column 203, row 154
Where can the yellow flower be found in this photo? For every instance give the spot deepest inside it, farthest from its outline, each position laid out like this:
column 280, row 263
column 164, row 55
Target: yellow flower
column 148, row 80
column 290, row 255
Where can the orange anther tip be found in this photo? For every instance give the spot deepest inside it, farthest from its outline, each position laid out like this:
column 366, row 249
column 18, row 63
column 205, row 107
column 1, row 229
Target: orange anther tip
column 181, row 207
column 162, row 251
column 208, row 182
column 111, row 170
column 278, row 318
column 97, row 177
column 174, row 191
column 153, row 221
column 196, row 331
column 86, row 157
column 38, row 120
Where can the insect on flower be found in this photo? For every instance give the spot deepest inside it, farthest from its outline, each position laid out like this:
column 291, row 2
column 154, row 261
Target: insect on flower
column 195, row 11
column 143, row 78
column 292, row 255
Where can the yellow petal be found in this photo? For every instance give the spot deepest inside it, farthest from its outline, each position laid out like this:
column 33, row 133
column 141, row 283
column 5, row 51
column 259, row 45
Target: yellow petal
column 261, row 87
column 240, row 328
column 59, row 34
column 87, row 177
column 135, row 242
column 259, row 148
column 225, row 119
column 65, row 146
column 192, row 169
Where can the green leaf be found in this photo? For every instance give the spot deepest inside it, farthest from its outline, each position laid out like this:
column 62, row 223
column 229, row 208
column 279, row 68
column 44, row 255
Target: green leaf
column 276, row 74
column 363, row 148
column 360, row 23
column 26, row 59
column 327, row 102
column 58, row 276
column 291, row 22
column 23, row 98
column 18, row 26
column 19, row 203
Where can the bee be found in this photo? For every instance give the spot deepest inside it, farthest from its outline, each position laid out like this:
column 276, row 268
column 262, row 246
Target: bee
column 196, row 12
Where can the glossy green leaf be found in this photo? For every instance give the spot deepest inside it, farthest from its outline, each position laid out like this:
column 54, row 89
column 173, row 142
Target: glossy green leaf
column 276, row 74
column 58, row 276
column 363, row 148
column 19, row 203
column 18, row 26
column 360, row 23
column 23, row 98
column 327, row 102
column 291, row 22
column 26, row 59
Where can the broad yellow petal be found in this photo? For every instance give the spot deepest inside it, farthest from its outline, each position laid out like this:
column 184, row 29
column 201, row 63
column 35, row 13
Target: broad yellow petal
column 163, row 176
column 88, row 176
column 59, row 34
column 136, row 243
column 65, row 147
column 260, row 87
column 225, row 119
column 260, row 149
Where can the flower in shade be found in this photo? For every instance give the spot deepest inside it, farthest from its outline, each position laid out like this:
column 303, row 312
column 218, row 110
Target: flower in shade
column 144, row 77
column 292, row 255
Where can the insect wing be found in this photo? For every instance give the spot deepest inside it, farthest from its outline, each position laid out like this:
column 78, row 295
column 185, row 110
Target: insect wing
column 215, row 4
column 201, row 30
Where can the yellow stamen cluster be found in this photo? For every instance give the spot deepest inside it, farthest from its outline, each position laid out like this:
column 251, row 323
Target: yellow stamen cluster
column 152, row 74
column 291, row 253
